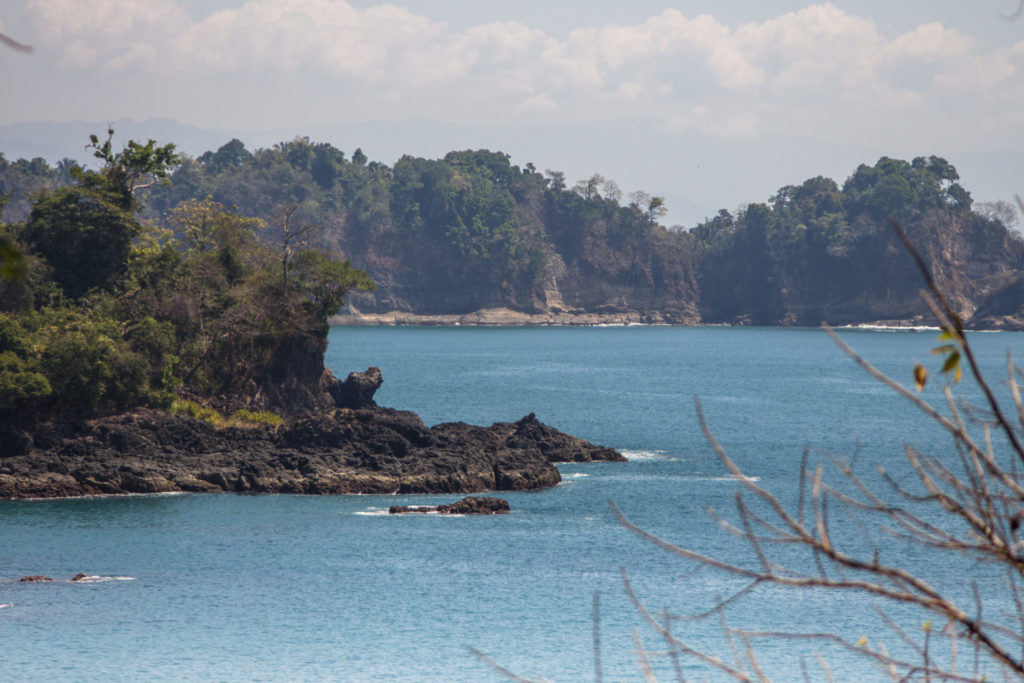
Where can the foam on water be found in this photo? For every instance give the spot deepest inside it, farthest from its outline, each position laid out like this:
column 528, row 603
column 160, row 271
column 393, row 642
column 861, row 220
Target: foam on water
column 891, row 328
column 372, row 512
column 646, row 454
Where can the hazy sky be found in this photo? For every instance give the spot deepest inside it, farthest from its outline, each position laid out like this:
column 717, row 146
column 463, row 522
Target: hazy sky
column 906, row 74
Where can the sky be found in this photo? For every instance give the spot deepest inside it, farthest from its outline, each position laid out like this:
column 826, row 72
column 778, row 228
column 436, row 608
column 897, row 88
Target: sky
column 708, row 103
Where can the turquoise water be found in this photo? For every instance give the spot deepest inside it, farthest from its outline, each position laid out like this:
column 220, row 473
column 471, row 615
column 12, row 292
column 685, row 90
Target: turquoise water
column 272, row 588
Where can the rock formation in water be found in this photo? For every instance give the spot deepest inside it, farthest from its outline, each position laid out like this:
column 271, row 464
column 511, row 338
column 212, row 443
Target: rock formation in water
column 471, row 505
column 361, row 448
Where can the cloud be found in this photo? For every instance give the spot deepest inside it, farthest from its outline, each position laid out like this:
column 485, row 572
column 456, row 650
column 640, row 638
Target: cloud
column 783, row 74
column 106, row 32
column 929, row 42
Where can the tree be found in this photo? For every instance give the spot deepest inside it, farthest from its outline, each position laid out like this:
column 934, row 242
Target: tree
column 656, row 208
column 1001, row 211
column 65, row 170
column 207, row 225
column 294, row 236
column 557, row 179
column 21, row 383
column 963, row 510
column 85, row 234
column 12, row 261
column 326, row 282
column 590, row 188
column 229, row 156
column 136, row 167
column 611, row 191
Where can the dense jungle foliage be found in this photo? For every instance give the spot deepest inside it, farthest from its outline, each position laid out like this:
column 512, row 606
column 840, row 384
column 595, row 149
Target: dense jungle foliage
column 473, row 230
column 101, row 311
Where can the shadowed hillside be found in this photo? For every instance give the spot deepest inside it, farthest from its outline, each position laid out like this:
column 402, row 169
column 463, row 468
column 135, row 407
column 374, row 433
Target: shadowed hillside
column 473, row 231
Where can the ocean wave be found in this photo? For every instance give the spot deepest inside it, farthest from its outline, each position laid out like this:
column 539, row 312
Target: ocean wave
column 102, row 496
column 7, row 604
column 575, row 475
column 372, row 512
column 890, row 328
column 382, row 512
column 654, row 454
column 103, row 579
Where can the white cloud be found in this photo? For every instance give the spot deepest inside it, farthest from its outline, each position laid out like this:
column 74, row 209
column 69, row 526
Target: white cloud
column 818, row 67
column 930, row 41
column 98, row 31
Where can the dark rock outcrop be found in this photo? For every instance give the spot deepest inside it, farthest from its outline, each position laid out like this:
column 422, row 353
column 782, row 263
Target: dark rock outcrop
column 471, row 505
column 357, row 390
column 366, row 450
column 34, row 579
column 1003, row 309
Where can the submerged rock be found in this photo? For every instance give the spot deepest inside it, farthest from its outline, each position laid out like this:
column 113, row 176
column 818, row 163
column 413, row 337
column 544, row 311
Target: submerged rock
column 471, row 505
column 35, row 578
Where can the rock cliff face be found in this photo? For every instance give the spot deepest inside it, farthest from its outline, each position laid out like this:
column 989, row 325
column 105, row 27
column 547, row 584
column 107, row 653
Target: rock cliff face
column 357, row 449
column 866, row 277
column 815, row 252
column 295, row 382
column 776, row 278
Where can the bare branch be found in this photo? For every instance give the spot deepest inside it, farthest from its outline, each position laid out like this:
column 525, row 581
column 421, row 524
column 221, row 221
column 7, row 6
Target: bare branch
column 13, row 44
column 499, row 668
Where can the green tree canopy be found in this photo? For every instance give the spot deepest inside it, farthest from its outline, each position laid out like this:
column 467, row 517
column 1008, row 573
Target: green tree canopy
column 85, row 234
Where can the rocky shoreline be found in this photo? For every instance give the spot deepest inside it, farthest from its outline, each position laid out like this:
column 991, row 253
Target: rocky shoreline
column 505, row 317
column 366, row 449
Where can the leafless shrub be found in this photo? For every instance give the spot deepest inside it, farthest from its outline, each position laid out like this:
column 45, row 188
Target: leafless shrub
column 964, row 508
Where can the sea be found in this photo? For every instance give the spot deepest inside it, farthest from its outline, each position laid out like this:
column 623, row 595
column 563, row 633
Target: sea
column 224, row 587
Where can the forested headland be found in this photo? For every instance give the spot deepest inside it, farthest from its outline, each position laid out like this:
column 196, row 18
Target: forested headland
column 102, row 310
column 474, row 231
column 148, row 346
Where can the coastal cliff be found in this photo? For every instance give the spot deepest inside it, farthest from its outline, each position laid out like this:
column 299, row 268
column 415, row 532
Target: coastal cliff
column 471, row 238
